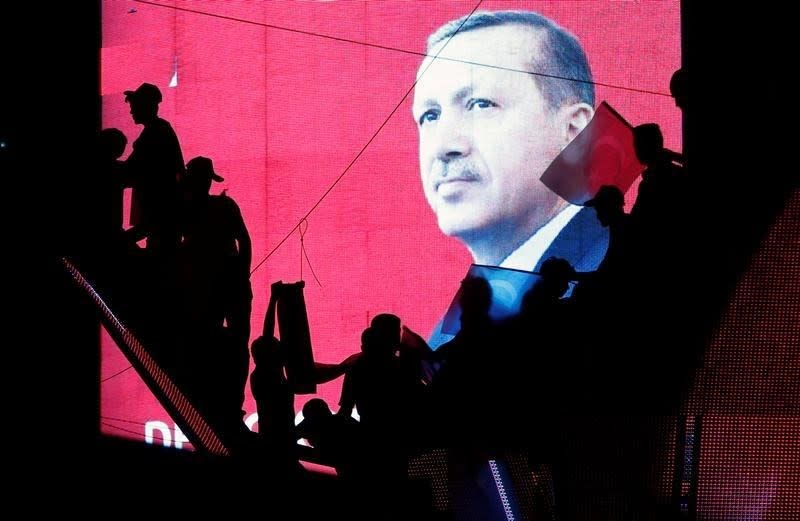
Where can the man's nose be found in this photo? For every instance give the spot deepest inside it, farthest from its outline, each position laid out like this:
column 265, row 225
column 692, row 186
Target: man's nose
column 454, row 138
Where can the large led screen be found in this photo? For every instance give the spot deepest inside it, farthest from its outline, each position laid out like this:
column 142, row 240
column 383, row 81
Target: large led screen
column 323, row 116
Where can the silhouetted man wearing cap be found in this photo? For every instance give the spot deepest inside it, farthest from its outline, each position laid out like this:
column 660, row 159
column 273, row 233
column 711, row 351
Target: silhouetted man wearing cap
column 659, row 213
column 215, row 241
column 155, row 165
column 609, row 203
column 663, row 178
column 622, row 261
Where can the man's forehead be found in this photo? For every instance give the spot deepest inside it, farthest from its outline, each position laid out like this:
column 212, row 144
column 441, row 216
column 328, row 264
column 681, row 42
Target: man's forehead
column 490, row 60
column 504, row 46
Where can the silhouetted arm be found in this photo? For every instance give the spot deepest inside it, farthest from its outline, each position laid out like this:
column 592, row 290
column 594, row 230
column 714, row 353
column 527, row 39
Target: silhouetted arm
column 677, row 157
column 347, row 400
column 242, row 239
column 327, row 372
column 269, row 318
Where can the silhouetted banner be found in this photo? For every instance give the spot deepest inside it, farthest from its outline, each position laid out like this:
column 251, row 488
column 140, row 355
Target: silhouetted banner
column 508, row 288
column 295, row 336
column 602, row 154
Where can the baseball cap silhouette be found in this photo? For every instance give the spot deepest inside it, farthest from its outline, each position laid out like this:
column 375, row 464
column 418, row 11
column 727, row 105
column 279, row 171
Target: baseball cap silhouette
column 202, row 167
column 146, row 92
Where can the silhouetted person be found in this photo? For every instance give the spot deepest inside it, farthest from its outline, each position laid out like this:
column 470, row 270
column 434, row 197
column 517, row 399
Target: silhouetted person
column 99, row 239
column 537, row 362
column 612, row 297
column 155, row 166
column 480, row 420
column 543, row 308
column 631, row 359
column 274, row 401
column 609, row 204
column 336, row 438
column 216, row 245
column 462, row 388
column 660, row 217
column 602, row 296
column 383, row 392
column 273, row 394
column 111, row 143
column 410, row 351
column 97, row 235
column 378, row 383
column 152, row 168
column 679, row 88
column 555, row 275
column 663, row 177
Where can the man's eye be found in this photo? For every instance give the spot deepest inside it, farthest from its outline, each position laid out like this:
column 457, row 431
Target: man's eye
column 480, row 103
column 428, row 116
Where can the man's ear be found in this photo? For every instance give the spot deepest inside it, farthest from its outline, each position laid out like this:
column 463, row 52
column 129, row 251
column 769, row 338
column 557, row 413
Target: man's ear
column 575, row 117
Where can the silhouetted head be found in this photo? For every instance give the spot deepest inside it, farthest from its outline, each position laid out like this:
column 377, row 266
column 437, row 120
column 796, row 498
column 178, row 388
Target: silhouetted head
column 554, row 276
column 557, row 273
column 315, row 412
column 266, row 351
column 199, row 174
column 368, row 341
column 475, row 299
column 648, row 142
column 387, row 329
column 679, row 88
column 111, row 143
column 316, row 409
column 609, row 203
column 144, row 102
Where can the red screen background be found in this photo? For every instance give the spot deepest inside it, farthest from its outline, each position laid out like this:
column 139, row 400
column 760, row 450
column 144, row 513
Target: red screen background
column 282, row 104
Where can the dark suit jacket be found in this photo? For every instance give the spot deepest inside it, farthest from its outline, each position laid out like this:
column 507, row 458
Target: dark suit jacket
column 582, row 242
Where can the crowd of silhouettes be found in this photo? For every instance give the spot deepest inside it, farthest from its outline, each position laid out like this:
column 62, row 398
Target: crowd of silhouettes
column 179, row 273
column 547, row 384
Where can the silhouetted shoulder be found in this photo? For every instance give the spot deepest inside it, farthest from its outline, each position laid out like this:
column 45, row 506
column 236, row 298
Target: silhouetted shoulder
column 224, row 199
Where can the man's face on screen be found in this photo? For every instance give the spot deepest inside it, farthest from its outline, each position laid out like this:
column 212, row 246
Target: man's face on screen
column 485, row 137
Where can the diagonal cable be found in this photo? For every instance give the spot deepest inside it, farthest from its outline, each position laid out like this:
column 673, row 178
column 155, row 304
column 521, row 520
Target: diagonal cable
column 394, row 49
column 367, row 144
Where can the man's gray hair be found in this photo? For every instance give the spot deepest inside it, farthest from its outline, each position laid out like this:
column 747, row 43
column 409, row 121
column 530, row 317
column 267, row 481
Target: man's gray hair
column 562, row 54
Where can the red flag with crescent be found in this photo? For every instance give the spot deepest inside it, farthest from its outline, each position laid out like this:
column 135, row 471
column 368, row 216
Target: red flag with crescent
column 602, row 154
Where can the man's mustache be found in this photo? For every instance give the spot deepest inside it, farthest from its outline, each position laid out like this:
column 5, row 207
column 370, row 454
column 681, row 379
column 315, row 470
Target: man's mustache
column 454, row 170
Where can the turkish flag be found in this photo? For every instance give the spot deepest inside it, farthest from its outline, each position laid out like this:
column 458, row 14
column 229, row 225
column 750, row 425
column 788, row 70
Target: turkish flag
column 602, row 154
